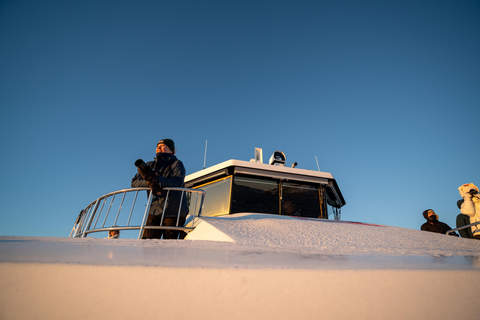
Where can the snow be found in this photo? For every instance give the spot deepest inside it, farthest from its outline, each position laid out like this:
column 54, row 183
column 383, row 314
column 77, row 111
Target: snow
column 246, row 266
column 329, row 236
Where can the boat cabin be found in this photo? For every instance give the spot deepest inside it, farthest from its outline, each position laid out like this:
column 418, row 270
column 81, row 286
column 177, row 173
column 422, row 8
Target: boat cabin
column 233, row 186
column 236, row 186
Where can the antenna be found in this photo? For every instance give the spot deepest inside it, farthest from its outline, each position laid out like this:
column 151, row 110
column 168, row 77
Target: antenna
column 317, row 163
column 258, row 155
column 205, row 158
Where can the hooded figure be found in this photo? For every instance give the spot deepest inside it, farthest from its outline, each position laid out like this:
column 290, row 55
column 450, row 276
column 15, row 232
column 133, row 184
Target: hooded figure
column 433, row 225
column 471, row 205
column 114, row 234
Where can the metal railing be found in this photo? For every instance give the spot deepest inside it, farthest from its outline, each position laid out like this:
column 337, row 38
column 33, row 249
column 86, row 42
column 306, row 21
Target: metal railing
column 463, row 227
column 97, row 217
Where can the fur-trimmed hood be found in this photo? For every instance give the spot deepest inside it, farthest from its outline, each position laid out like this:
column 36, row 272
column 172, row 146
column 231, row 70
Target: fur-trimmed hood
column 464, row 188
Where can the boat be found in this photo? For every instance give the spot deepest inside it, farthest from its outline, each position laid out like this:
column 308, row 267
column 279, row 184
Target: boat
column 264, row 241
column 231, row 188
column 228, row 188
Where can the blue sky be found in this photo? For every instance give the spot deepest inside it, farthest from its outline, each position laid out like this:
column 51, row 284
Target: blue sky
column 385, row 93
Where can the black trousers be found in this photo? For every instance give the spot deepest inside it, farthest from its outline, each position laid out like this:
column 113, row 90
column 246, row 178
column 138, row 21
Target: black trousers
column 463, row 220
column 153, row 220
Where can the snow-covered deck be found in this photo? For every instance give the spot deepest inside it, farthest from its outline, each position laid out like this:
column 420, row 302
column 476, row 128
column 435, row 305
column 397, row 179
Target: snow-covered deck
column 246, row 266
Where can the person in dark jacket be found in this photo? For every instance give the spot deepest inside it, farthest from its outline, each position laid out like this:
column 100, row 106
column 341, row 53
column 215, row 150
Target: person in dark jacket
column 166, row 171
column 463, row 220
column 433, row 225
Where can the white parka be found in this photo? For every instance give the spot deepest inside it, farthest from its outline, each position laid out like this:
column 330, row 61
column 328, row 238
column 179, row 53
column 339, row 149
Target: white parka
column 471, row 205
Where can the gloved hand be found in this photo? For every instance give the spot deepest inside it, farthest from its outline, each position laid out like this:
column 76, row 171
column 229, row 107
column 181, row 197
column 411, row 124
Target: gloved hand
column 467, row 196
column 476, row 199
column 147, row 176
column 154, row 187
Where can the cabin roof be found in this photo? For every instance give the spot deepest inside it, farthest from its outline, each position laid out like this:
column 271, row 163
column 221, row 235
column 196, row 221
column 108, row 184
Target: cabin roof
column 272, row 169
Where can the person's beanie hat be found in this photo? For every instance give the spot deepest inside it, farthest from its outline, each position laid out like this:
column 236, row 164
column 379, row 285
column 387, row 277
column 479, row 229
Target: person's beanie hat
column 169, row 143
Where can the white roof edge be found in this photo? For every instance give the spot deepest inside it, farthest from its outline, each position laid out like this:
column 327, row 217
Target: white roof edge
column 260, row 166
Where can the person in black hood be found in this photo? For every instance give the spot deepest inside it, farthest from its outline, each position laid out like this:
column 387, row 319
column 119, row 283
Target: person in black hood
column 433, row 225
column 166, row 171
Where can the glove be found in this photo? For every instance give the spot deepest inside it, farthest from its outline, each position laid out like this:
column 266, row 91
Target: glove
column 476, row 199
column 154, row 187
column 147, row 176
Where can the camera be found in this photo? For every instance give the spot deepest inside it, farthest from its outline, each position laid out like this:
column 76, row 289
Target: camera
column 146, row 171
column 140, row 164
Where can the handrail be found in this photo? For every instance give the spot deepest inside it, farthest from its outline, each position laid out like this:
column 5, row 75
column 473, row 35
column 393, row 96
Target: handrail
column 87, row 220
column 463, row 227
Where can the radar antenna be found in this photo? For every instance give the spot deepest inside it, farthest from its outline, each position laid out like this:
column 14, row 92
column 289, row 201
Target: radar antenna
column 317, row 163
column 205, row 158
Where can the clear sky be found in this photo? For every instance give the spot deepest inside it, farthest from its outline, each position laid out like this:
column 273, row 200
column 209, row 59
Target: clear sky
column 385, row 93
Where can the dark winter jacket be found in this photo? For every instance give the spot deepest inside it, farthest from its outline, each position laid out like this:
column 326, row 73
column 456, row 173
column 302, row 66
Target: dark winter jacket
column 433, row 225
column 436, row 226
column 169, row 172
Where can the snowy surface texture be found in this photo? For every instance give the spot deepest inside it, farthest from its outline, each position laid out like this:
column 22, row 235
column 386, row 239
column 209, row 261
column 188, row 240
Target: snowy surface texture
column 331, row 237
column 246, row 266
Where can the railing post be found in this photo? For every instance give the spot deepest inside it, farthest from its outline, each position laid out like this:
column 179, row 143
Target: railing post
column 108, row 212
column 90, row 218
column 202, row 198
column 119, row 208
column 145, row 215
column 131, row 210
column 76, row 224
column 83, row 218
column 179, row 208
column 164, row 207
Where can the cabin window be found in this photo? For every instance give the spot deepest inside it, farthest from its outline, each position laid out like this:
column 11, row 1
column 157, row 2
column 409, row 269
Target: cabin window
column 235, row 194
column 217, row 201
column 331, row 212
column 300, row 200
column 254, row 195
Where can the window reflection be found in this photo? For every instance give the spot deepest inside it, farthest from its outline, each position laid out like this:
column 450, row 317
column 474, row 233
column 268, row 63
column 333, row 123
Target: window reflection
column 254, row 195
column 300, row 200
column 217, row 198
